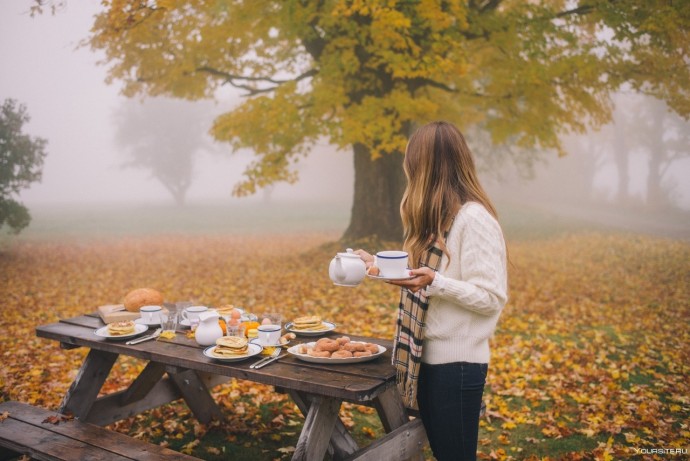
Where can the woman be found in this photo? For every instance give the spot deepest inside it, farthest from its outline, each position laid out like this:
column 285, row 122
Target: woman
column 449, row 309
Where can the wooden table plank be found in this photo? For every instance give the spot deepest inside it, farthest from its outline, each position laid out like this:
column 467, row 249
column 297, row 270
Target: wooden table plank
column 72, row 438
column 50, row 446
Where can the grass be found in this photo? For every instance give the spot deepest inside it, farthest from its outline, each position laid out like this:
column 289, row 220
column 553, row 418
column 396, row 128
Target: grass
column 114, row 221
column 92, row 221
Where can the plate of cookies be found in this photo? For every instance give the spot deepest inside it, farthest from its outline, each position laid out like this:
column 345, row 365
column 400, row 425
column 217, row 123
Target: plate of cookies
column 232, row 349
column 309, row 325
column 121, row 330
column 336, row 351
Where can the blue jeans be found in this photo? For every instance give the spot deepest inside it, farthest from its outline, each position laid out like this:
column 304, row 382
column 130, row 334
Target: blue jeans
column 449, row 396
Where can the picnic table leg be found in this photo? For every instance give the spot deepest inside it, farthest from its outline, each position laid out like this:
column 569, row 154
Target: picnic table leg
column 407, row 437
column 403, row 443
column 342, row 443
column 84, row 390
column 142, row 385
column 318, row 427
column 196, row 395
column 391, row 409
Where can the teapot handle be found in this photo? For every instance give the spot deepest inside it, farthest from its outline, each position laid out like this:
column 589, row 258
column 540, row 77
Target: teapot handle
column 339, row 271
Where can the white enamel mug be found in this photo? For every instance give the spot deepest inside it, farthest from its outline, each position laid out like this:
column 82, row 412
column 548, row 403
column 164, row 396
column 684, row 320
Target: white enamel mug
column 151, row 315
column 392, row 264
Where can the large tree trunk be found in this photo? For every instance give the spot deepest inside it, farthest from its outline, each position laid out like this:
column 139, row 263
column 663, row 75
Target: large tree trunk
column 379, row 186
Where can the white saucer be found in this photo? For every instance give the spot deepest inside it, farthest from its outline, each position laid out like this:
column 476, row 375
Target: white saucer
column 380, row 277
column 141, row 321
column 185, row 323
column 258, row 342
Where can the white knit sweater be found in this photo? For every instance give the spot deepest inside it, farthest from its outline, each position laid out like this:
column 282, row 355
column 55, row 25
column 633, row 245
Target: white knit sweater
column 467, row 295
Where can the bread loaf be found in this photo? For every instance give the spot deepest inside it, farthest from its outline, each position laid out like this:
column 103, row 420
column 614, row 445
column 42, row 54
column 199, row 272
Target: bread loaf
column 142, row 297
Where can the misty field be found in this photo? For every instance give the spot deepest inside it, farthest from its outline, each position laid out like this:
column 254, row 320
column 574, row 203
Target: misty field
column 590, row 359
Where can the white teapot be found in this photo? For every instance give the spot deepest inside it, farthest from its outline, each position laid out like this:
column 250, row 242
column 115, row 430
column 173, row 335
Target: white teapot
column 209, row 329
column 347, row 269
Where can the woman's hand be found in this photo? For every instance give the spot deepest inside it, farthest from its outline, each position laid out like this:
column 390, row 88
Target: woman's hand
column 366, row 257
column 422, row 278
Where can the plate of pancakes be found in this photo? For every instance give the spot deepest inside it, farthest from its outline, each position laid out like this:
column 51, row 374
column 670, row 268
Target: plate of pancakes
column 232, row 349
column 121, row 330
column 309, row 325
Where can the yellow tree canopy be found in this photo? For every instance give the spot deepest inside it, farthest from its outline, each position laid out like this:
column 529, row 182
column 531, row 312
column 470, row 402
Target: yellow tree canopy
column 363, row 72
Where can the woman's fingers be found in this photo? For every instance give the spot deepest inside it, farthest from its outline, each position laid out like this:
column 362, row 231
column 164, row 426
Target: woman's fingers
column 366, row 257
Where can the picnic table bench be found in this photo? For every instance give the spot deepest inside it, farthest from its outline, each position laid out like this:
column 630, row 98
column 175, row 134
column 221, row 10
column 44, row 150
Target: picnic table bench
column 178, row 369
column 46, row 435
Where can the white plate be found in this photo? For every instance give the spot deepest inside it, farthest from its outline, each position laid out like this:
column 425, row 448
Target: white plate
column 237, row 308
column 254, row 349
column 308, row 358
column 141, row 321
column 258, row 342
column 185, row 323
column 244, row 316
column 330, row 326
column 380, row 277
column 103, row 332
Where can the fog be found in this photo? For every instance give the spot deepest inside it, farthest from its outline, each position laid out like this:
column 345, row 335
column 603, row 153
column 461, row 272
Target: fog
column 71, row 106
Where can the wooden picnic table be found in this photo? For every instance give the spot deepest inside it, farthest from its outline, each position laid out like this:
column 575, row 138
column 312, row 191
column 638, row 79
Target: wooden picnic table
column 178, row 369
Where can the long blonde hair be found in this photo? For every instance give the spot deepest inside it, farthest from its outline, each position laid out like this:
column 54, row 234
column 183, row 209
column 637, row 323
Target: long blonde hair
column 441, row 177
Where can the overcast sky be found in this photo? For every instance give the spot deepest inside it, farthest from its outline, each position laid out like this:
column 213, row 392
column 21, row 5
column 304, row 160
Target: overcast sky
column 71, row 106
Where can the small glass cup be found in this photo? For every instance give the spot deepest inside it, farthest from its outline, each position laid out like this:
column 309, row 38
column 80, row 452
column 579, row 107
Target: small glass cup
column 234, row 330
column 170, row 323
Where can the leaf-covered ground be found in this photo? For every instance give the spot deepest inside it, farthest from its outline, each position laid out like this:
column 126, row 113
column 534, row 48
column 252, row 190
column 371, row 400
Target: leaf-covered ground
column 591, row 358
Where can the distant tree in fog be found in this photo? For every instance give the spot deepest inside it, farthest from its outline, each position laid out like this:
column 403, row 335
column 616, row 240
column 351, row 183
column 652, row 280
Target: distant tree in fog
column 163, row 136
column 21, row 163
column 664, row 138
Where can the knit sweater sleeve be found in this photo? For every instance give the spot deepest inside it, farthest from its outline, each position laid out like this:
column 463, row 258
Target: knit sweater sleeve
column 481, row 285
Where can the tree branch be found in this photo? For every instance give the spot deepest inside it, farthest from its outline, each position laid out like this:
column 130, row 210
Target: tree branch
column 490, row 5
column 232, row 79
column 419, row 82
column 584, row 9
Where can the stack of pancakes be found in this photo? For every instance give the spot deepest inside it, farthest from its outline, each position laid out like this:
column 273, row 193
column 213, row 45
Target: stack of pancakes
column 121, row 328
column 230, row 346
column 225, row 310
column 310, row 322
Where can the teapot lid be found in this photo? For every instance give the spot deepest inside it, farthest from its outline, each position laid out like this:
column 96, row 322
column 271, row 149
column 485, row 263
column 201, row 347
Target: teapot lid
column 349, row 253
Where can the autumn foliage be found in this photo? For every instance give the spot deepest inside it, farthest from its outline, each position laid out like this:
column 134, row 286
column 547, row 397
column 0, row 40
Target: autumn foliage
column 590, row 359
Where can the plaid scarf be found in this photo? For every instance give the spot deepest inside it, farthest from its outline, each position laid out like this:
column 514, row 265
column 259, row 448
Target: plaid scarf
column 409, row 333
